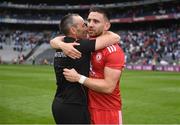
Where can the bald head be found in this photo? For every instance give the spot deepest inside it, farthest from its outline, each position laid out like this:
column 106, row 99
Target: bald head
column 66, row 23
column 73, row 25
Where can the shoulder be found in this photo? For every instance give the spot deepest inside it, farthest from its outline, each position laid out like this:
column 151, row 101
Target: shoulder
column 86, row 45
column 113, row 49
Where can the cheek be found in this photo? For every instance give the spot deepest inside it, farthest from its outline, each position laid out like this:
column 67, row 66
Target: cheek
column 100, row 29
column 79, row 31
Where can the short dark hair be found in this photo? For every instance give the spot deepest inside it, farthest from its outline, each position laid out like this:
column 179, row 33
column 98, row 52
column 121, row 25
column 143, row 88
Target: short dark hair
column 66, row 22
column 100, row 10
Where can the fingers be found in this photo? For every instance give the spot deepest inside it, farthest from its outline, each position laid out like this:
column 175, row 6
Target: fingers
column 67, row 74
column 65, row 69
column 71, row 51
column 69, row 71
column 74, row 53
column 75, row 44
column 71, row 75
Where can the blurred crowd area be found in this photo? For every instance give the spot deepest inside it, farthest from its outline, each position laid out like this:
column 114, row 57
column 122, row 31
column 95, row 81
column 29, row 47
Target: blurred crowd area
column 21, row 40
column 116, row 12
column 157, row 46
column 25, row 25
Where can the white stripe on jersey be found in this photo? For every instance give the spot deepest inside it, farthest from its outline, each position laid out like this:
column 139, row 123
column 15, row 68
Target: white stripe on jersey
column 114, row 48
column 120, row 118
column 111, row 48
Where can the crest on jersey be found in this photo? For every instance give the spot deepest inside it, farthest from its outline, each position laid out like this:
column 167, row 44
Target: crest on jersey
column 98, row 56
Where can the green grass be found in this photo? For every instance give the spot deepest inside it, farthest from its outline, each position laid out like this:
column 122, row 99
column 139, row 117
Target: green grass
column 151, row 97
column 26, row 94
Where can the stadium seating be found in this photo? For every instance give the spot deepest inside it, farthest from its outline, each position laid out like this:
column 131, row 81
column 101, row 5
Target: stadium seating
column 144, row 39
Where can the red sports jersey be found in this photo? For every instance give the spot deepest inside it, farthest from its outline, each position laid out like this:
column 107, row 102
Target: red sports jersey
column 113, row 57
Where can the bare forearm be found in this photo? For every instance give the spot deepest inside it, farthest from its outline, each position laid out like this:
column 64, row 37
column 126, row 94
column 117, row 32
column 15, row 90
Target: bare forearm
column 102, row 41
column 68, row 48
column 57, row 43
column 106, row 85
column 107, row 39
column 99, row 85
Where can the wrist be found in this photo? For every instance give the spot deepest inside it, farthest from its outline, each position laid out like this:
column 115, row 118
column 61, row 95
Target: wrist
column 82, row 79
column 60, row 45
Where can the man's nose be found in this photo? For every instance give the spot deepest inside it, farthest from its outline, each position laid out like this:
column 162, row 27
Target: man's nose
column 90, row 24
column 86, row 28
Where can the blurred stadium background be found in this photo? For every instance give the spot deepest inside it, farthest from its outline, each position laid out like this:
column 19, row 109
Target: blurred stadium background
column 150, row 38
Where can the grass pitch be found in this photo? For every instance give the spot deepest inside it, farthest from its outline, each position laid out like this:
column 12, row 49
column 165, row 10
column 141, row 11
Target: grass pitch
column 26, row 94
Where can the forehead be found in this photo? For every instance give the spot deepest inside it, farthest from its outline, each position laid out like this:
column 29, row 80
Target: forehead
column 78, row 19
column 95, row 15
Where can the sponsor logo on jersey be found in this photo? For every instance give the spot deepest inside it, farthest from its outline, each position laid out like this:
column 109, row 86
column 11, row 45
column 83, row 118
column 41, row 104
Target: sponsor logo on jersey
column 60, row 54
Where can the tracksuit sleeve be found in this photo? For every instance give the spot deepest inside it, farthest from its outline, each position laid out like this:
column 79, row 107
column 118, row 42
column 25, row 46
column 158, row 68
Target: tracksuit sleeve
column 86, row 46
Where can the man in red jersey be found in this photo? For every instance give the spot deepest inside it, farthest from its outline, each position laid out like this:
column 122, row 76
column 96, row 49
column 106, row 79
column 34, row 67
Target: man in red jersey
column 107, row 65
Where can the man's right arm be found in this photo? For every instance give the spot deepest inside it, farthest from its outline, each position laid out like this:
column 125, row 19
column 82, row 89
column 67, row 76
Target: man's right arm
column 102, row 41
column 56, row 42
column 68, row 48
column 107, row 39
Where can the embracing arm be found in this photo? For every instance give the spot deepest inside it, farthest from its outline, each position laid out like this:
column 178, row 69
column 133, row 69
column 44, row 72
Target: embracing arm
column 68, row 49
column 107, row 39
column 56, row 42
column 106, row 85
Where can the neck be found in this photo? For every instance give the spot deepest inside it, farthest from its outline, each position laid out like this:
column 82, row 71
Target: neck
column 95, row 36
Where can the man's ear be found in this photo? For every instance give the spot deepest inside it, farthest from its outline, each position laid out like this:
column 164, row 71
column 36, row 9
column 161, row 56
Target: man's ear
column 73, row 30
column 107, row 26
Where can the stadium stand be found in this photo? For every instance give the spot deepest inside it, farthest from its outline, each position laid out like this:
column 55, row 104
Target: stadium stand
column 149, row 29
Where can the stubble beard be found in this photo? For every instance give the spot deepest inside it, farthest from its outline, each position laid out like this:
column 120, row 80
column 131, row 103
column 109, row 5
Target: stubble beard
column 94, row 34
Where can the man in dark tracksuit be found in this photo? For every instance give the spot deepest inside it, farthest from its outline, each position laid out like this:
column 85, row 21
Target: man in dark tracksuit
column 70, row 102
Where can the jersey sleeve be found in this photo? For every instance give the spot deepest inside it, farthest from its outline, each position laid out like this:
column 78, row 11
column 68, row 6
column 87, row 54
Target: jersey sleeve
column 86, row 46
column 114, row 57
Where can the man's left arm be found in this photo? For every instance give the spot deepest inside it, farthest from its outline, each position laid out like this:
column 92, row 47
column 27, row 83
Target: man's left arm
column 112, row 72
column 106, row 85
column 107, row 39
